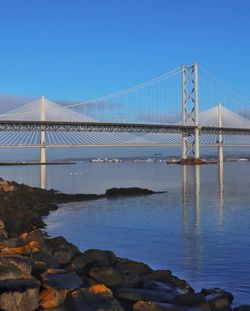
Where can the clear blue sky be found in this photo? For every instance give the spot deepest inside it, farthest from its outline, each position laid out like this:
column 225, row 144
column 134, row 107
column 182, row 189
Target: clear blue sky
column 83, row 49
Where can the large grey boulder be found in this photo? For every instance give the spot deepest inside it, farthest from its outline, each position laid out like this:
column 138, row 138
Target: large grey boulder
column 157, row 306
column 136, row 294
column 18, row 289
column 21, row 262
column 87, row 300
column 108, row 275
column 189, row 300
column 131, row 266
column 24, row 300
column 61, row 279
column 166, row 277
column 89, row 258
column 218, row 299
column 62, row 251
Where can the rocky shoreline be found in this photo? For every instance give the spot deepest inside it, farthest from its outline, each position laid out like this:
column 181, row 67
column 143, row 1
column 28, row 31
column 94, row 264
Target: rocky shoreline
column 42, row 273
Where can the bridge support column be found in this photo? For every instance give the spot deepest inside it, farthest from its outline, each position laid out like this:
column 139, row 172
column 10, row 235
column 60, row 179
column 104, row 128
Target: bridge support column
column 196, row 115
column 184, row 113
column 42, row 118
column 43, row 176
column 43, row 146
column 190, row 115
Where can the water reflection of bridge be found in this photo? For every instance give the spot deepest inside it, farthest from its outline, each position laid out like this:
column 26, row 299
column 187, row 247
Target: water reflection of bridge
column 192, row 228
column 191, row 175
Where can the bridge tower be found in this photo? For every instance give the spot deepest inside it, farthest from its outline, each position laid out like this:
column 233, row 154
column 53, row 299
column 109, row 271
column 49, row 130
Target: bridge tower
column 190, row 115
column 43, row 147
column 42, row 118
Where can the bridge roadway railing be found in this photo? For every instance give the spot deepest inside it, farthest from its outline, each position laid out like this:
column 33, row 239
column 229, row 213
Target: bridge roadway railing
column 55, row 126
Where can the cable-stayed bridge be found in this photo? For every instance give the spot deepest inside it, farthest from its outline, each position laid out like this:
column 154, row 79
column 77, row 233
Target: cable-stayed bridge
column 179, row 108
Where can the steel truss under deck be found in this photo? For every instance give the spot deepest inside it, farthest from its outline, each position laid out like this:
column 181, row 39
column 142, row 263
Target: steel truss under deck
column 54, row 126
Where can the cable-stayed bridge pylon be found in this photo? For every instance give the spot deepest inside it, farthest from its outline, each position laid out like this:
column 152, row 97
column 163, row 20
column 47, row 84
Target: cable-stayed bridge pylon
column 180, row 108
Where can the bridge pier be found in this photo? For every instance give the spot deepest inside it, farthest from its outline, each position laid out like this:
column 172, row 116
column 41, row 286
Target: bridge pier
column 43, row 176
column 190, row 115
column 196, row 115
column 184, row 113
column 42, row 147
column 42, row 142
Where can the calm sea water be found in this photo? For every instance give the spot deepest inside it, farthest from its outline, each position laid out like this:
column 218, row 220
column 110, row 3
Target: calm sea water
column 197, row 229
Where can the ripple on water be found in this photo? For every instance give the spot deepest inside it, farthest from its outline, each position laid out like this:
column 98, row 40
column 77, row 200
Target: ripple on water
column 199, row 232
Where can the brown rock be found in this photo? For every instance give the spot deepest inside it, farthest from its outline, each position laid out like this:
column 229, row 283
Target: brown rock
column 19, row 300
column 189, row 300
column 219, row 303
column 18, row 290
column 88, row 282
column 101, row 289
column 27, row 249
column 21, row 250
column 136, row 294
column 44, row 260
column 8, row 271
column 157, row 275
column 3, row 231
column 36, row 240
column 216, row 292
column 130, row 280
column 21, row 262
column 13, row 242
column 35, row 235
column 153, row 306
column 35, row 246
column 84, row 299
column 108, row 275
column 51, row 298
column 61, row 279
column 5, row 186
column 157, row 306
column 62, row 251
column 131, row 266
column 90, row 258
column 165, row 276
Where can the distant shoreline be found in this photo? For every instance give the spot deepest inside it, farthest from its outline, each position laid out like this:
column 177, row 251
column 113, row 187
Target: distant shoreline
column 34, row 163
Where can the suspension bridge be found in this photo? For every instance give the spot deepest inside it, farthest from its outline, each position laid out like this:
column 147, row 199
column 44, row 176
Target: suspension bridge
column 183, row 107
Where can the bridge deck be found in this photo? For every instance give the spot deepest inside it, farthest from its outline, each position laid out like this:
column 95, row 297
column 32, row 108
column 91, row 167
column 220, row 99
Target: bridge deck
column 10, row 125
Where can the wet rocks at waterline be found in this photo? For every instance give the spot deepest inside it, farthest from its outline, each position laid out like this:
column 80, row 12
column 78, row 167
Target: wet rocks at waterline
column 35, row 274
column 42, row 273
